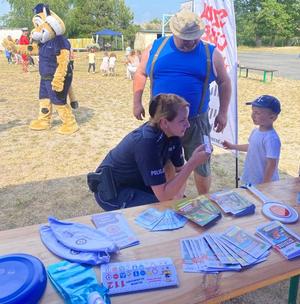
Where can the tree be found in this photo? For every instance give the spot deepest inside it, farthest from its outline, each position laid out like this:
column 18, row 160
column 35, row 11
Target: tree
column 273, row 21
column 266, row 19
column 81, row 17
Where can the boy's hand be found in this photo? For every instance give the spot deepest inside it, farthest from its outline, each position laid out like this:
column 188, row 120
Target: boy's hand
column 228, row 145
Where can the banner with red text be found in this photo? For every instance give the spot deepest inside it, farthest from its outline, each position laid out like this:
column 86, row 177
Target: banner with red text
column 220, row 30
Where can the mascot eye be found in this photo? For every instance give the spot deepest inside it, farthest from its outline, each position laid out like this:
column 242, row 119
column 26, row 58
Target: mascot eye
column 37, row 21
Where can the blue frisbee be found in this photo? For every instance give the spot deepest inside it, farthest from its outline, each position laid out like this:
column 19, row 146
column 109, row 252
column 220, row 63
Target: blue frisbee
column 23, row 279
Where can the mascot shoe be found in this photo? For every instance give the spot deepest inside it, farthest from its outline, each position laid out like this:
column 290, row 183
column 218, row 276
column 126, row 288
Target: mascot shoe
column 69, row 125
column 44, row 120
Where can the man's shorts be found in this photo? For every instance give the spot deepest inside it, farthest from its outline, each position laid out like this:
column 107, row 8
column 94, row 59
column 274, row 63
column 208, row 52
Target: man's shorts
column 193, row 137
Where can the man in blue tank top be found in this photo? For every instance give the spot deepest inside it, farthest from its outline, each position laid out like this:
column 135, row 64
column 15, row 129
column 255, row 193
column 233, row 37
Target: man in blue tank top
column 184, row 65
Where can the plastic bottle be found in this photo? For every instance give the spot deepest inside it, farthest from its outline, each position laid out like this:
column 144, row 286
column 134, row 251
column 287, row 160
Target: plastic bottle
column 95, row 298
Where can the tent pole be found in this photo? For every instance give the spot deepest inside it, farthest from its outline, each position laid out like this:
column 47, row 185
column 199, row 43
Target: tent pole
column 236, row 170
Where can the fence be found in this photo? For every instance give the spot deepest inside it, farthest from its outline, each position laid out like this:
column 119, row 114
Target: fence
column 80, row 43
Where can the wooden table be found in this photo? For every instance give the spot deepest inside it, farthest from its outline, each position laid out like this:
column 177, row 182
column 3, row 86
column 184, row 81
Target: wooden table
column 264, row 70
column 194, row 287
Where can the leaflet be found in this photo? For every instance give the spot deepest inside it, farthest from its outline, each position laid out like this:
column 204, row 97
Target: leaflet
column 246, row 242
column 199, row 210
column 281, row 238
column 155, row 220
column 233, row 203
column 115, row 227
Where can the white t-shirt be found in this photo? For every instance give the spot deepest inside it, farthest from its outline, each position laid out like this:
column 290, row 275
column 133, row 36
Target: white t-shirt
column 262, row 145
column 112, row 62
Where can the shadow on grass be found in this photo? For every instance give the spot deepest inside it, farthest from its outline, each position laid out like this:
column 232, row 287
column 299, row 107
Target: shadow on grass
column 83, row 114
column 11, row 124
column 32, row 203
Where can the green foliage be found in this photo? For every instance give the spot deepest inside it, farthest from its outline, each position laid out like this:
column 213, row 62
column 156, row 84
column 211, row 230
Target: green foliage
column 268, row 21
column 81, row 17
column 21, row 11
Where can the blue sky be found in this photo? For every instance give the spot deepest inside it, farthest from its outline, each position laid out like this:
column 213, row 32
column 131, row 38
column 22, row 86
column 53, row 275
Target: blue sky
column 144, row 10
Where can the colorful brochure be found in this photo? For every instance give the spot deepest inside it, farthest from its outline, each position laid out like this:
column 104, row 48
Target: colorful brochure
column 199, row 210
column 213, row 253
column 155, row 220
column 281, row 238
column 138, row 275
column 115, row 227
column 246, row 242
column 233, row 203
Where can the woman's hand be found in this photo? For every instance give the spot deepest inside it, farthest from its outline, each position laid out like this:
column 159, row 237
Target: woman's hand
column 199, row 156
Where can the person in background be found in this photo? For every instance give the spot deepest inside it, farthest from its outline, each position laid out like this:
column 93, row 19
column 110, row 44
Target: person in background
column 92, row 60
column 8, row 56
column 24, row 41
column 71, row 58
column 132, row 62
column 112, row 63
column 105, row 64
column 136, row 171
column 263, row 149
column 183, row 64
column 127, row 51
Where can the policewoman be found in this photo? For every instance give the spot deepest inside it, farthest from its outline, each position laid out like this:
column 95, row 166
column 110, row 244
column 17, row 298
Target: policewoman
column 136, row 171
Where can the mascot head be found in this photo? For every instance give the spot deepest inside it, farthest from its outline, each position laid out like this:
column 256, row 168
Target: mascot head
column 46, row 23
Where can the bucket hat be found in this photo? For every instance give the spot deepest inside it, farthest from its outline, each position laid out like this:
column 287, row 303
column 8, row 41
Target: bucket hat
column 187, row 25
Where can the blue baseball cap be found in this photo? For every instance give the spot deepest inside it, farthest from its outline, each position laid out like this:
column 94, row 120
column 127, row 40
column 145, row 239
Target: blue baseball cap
column 267, row 102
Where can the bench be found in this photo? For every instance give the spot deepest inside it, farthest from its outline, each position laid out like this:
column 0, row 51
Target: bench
column 265, row 72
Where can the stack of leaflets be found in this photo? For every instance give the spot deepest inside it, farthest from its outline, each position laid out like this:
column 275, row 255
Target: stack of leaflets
column 233, row 203
column 155, row 220
column 281, row 238
column 115, row 227
column 138, row 275
column 199, row 210
column 233, row 250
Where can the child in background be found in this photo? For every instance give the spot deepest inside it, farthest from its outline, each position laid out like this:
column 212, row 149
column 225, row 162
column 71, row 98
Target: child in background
column 8, row 56
column 72, row 58
column 105, row 64
column 112, row 63
column 263, row 150
column 92, row 57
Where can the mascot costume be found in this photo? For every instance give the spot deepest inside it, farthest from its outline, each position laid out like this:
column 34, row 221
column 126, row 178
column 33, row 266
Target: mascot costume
column 56, row 73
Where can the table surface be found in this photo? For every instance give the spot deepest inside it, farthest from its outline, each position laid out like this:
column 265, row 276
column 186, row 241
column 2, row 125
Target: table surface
column 193, row 287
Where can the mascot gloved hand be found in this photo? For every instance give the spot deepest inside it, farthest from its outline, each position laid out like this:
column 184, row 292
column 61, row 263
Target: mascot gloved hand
column 56, row 73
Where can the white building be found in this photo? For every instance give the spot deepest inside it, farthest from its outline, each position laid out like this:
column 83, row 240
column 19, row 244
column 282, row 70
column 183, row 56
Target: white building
column 145, row 37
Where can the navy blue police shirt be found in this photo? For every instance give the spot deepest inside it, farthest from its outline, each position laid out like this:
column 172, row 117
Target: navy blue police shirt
column 138, row 160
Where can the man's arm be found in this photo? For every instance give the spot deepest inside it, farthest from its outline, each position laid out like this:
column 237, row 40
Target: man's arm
column 224, row 85
column 139, row 83
column 269, row 170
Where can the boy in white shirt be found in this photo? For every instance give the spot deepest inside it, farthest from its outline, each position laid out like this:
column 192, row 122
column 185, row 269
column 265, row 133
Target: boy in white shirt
column 263, row 149
column 92, row 60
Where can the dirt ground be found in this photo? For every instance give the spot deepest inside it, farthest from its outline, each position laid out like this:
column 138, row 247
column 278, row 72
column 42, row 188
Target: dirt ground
column 44, row 173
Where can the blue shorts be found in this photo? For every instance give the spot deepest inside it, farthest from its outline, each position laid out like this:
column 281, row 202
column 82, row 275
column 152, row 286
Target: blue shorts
column 127, row 197
column 57, row 98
